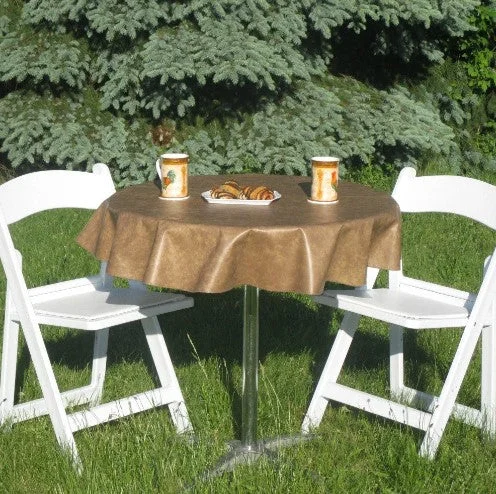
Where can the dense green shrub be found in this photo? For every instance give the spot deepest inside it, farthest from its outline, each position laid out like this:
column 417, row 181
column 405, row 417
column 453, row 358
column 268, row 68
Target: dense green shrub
column 477, row 52
column 478, row 47
column 464, row 90
column 239, row 84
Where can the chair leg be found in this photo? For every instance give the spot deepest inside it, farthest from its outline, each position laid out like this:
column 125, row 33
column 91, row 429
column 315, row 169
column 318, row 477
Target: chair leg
column 488, row 379
column 166, row 373
column 449, row 393
column 90, row 393
column 50, row 390
column 47, row 382
column 99, row 364
column 331, row 371
column 8, row 369
column 396, row 363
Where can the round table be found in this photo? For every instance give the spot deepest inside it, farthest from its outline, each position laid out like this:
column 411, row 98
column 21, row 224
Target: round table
column 289, row 245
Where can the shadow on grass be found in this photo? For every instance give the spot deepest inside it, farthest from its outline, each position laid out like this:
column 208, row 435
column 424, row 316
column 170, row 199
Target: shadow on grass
column 289, row 324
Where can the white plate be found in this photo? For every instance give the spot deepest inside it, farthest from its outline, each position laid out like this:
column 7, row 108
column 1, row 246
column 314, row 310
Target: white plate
column 246, row 202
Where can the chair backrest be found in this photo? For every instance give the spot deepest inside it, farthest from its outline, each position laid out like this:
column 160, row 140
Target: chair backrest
column 464, row 196
column 51, row 189
column 41, row 191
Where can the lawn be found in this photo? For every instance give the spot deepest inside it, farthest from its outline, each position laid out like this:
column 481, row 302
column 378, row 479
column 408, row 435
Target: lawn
column 351, row 452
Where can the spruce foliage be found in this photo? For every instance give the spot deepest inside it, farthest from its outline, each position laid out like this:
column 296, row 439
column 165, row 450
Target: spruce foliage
column 238, row 84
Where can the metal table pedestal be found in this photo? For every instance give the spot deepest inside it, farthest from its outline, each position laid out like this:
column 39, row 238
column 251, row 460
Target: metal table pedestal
column 249, row 448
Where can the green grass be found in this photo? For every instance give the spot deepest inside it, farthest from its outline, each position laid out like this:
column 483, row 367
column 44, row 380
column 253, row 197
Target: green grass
column 352, row 452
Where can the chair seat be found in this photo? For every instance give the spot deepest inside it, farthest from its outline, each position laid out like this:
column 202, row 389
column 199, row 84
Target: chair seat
column 102, row 308
column 397, row 307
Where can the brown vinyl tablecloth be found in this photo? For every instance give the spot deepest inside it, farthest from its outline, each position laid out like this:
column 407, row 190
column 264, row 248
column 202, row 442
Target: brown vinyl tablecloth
column 289, row 245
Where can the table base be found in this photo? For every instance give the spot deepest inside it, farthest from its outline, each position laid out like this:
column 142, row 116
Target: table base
column 249, row 449
column 241, row 454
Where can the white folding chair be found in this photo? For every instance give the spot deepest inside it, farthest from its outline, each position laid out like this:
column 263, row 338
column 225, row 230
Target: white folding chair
column 91, row 304
column 417, row 304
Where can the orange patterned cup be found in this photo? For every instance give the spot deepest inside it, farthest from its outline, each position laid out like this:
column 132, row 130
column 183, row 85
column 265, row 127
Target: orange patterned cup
column 174, row 175
column 325, row 178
